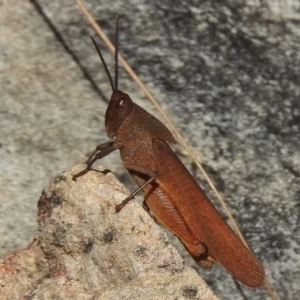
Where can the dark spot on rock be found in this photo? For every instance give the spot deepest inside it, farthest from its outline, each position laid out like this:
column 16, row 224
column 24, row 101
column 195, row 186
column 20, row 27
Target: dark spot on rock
column 176, row 271
column 87, row 245
column 68, row 225
column 189, row 292
column 46, row 204
column 141, row 250
column 109, row 235
column 59, row 178
column 56, row 200
column 59, row 236
column 164, row 240
column 44, row 207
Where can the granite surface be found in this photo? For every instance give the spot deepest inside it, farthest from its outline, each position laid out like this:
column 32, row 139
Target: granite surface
column 228, row 75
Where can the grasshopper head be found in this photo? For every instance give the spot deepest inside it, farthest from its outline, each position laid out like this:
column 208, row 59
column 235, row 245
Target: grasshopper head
column 119, row 108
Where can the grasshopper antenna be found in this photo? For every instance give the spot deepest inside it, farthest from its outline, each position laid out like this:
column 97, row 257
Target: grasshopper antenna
column 116, row 51
column 114, row 87
column 104, row 65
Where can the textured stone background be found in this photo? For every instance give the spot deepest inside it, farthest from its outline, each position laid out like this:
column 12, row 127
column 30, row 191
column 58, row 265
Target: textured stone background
column 227, row 73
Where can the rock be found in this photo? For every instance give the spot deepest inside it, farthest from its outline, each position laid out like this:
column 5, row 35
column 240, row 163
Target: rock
column 85, row 250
